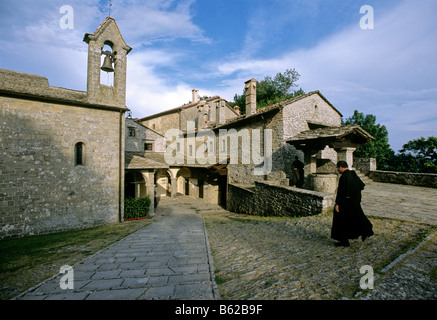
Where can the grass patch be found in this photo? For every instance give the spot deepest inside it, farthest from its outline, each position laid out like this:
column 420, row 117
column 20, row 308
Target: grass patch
column 24, row 262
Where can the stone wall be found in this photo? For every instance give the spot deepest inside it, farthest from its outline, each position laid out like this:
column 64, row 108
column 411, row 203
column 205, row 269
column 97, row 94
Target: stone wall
column 270, row 199
column 35, row 85
column 365, row 165
column 427, row 180
column 241, row 199
column 305, row 110
column 142, row 135
column 162, row 123
column 41, row 188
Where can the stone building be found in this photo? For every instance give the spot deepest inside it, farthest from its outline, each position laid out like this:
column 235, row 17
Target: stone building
column 188, row 177
column 62, row 151
column 212, row 150
column 69, row 158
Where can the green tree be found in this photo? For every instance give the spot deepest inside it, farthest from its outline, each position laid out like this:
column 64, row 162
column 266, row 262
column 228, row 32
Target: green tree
column 272, row 90
column 419, row 155
column 378, row 148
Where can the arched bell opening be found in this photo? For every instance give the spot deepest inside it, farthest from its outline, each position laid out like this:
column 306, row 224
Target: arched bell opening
column 107, row 62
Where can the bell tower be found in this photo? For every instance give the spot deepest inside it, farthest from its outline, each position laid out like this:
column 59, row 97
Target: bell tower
column 107, row 35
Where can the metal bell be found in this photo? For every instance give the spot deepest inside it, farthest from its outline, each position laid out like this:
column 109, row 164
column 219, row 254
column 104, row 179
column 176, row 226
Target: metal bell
column 107, row 64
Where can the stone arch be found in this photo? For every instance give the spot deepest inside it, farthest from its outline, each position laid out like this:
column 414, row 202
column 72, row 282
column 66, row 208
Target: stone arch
column 134, row 184
column 107, row 52
column 183, row 179
column 162, row 182
column 79, row 153
column 184, row 172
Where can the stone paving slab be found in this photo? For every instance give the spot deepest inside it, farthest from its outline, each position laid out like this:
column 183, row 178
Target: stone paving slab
column 287, row 259
column 168, row 259
column 396, row 201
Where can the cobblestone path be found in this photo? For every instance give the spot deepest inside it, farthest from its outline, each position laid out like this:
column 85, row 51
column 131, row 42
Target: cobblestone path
column 294, row 258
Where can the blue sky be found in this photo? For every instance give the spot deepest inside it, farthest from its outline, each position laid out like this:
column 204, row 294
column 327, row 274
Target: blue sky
column 216, row 45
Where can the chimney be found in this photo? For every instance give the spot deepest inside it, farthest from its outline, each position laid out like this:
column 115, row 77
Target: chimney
column 196, row 97
column 237, row 109
column 250, row 92
column 219, row 117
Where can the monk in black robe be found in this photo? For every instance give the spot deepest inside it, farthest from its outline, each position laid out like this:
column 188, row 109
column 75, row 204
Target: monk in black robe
column 298, row 172
column 349, row 221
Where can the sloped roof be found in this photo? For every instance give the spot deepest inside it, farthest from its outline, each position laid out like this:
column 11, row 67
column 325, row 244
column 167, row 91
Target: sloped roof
column 134, row 161
column 186, row 106
column 332, row 134
column 90, row 36
column 277, row 107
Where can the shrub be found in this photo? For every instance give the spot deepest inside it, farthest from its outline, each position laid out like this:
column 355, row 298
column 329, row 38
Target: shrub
column 136, row 208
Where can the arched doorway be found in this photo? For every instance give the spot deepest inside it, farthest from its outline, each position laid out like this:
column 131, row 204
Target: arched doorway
column 183, row 179
column 162, row 183
column 134, row 184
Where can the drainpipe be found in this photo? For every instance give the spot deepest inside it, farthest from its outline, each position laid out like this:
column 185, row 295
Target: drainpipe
column 120, row 168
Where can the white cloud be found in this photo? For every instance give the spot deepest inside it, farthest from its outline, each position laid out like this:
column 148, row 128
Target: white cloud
column 147, row 92
column 150, row 21
column 389, row 71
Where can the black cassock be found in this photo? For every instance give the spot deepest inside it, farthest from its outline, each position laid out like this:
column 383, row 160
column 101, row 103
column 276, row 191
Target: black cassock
column 350, row 222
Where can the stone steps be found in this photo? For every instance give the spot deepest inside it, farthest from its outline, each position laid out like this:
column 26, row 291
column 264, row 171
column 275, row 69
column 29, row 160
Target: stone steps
column 363, row 177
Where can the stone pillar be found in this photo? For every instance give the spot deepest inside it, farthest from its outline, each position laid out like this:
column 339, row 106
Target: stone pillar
column 149, row 177
column 310, row 168
column 310, row 163
column 173, row 175
column 346, row 154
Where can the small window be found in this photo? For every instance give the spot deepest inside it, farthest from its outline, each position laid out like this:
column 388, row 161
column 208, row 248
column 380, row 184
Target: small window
column 223, row 145
column 78, row 154
column 132, row 132
column 178, row 147
column 148, row 147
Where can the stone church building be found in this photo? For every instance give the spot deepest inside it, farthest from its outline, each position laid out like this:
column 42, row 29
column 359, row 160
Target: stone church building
column 62, row 151
column 68, row 158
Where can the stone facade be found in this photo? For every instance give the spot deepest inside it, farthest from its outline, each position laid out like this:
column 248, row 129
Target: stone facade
column 62, row 151
column 365, row 165
column 285, row 120
column 202, row 113
column 252, row 148
column 141, row 139
column 107, row 34
column 270, row 199
column 42, row 189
